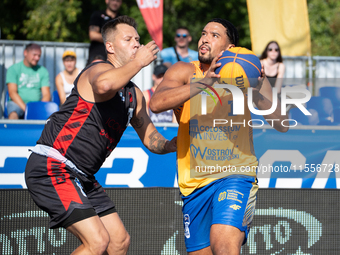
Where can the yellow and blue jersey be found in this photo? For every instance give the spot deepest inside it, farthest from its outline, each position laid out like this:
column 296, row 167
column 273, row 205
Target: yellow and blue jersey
column 208, row 151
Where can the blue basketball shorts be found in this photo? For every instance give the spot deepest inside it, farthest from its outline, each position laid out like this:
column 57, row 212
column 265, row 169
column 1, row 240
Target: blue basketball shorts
column 229, row 201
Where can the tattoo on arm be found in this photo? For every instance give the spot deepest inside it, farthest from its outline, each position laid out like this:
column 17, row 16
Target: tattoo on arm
column 136, row 122
column 157, row 143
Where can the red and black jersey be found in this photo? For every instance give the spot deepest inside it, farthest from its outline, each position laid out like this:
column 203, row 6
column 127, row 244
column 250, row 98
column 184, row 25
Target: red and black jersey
column 86, row 132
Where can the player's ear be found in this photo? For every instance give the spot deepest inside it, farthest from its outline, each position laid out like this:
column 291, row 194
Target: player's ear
column 109, row 47
column 230, row 46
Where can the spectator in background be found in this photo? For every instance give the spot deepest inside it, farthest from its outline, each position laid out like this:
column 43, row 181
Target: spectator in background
column 181, row 51
column 27, row 82
column 273, row 66
column 157, row 77
column 97, row 21
column 64, row 80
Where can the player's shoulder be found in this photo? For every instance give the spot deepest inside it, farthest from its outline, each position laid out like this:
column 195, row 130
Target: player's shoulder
column 182, row 66
column 100, row 65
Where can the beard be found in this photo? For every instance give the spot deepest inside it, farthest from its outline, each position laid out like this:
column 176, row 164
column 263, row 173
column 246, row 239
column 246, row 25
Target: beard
column 205, row 59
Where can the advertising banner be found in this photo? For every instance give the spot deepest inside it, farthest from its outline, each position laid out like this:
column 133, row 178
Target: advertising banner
column 289, row 26
column 304, row 157
column 286, row 221
column 152, row 12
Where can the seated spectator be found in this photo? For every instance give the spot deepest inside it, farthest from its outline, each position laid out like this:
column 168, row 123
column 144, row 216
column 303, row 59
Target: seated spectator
column 157, row 77
column 181, row 51
column 27, row 82
column 64, row 80
column 273, row 66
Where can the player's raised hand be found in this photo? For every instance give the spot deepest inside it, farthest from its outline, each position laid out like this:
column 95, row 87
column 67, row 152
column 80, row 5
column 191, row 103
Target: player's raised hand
column 211, row 76
column 147, row 53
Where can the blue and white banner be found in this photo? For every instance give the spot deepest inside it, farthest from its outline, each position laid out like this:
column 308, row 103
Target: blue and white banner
column 304, row 157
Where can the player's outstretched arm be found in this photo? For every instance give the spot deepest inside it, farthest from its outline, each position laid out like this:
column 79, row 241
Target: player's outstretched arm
column 110, row 79
column 175, row 89
column 147, row 132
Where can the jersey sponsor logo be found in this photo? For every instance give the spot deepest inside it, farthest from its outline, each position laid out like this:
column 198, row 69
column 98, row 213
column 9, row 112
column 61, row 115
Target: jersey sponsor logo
column 222, row 196
column 235, row 195
column 217, row 133
column 213, row 154
column 114, row 125
column 103, row 133
column 235, row 207
column 62, row 183
column 186, row 219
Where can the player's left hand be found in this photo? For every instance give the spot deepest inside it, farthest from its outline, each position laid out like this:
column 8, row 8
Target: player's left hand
column 171, row 146
column 211, row 77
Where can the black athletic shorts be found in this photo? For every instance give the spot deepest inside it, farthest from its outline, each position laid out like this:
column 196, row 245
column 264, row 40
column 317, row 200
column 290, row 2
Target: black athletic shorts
column 58, row 190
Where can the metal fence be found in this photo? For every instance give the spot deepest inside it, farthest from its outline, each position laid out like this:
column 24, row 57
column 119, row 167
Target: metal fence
column 11, row 52
column 314, row 72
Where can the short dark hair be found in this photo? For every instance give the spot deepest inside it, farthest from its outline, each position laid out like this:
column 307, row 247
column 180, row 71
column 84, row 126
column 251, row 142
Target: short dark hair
column 264, row 53
column 231, row 30
column 112, row 24
column 32, row 46
column 183, row 27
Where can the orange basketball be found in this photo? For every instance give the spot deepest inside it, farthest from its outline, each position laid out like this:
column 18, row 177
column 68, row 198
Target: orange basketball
column 240, row 67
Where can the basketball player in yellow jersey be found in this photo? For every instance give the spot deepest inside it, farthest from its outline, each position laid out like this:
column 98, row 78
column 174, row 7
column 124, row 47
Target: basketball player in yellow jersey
column 218, row 195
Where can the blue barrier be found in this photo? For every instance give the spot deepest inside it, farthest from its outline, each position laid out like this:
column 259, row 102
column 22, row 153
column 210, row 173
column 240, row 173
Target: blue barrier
column 304, row 157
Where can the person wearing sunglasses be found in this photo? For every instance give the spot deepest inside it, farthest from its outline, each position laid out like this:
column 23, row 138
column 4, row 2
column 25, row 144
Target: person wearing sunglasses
column 274, row 68
column 181, row 51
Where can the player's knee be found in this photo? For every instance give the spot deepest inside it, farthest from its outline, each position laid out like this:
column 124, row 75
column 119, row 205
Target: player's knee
column 122, row 244
column 225, row 249
column 100, row 243
column 126, row 242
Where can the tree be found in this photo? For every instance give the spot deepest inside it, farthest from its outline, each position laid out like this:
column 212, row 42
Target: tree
column 195, row 14
column 53, row 20
column 12, row 14
column 67, row 20
column 324, row 23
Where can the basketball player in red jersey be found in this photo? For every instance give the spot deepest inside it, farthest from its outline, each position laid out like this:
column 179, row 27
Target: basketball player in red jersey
column 77, row 139
column 218, row 205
